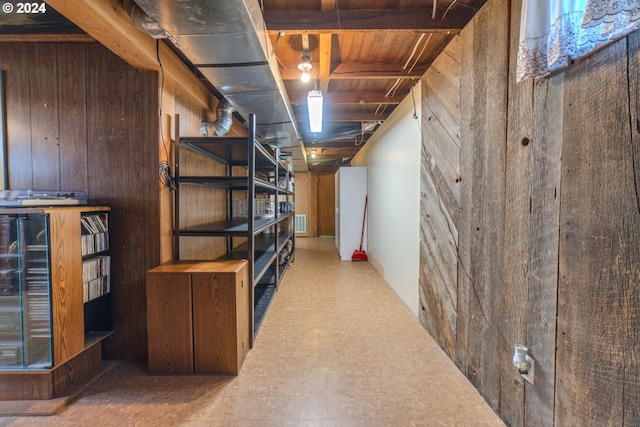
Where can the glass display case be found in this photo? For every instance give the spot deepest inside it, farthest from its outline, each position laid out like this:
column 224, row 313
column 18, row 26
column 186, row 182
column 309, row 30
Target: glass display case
column 25, row 299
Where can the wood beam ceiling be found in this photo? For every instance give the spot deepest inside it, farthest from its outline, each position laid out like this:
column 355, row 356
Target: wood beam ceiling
column 295, row 21
column 341, row 116
column 349, row 97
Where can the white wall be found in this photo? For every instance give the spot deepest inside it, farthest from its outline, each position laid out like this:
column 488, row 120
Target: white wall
column 392, row 158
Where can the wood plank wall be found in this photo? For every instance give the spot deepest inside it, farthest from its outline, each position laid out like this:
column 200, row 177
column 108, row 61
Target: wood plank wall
column 79, row 118
column 440, row 196
column 198, row 205
column 547, row 221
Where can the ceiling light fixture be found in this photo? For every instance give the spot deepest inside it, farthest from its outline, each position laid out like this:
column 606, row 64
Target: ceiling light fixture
column 314, row 103
column 305, row 65
column 305, row 59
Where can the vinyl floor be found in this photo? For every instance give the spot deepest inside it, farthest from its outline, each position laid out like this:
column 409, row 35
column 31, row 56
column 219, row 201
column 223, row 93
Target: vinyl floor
column 337, row 348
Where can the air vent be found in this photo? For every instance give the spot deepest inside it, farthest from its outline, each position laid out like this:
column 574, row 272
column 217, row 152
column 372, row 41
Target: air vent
column 300, row 223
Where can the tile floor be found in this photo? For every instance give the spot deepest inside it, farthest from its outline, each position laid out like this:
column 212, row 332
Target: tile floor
column 337, row 348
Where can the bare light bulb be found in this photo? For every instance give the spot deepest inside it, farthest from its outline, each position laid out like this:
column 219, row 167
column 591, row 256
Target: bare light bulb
column 305, row 77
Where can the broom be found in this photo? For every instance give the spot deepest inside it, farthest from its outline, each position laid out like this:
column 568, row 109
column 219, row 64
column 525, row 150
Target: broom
column 359, row 254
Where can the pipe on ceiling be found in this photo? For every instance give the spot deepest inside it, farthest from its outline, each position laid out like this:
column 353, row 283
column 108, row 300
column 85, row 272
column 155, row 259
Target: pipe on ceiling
column 223, row 121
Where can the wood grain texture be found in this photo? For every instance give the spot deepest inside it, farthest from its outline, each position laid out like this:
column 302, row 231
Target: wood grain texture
column 169, row 326
column 487, row 134
column 439, row 210
column 97, row 144
column 514, row 289
column 72, row 92
column 45, row 127
column 468, row 122
column 599, row 260
column 326, row 205
column 543, row 269
column 199, row 205
column 66, row 285
column 632, row 290
column 18, row 117
column 215, row 327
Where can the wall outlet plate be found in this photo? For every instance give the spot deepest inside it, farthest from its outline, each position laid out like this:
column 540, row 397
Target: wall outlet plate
column 532, row 365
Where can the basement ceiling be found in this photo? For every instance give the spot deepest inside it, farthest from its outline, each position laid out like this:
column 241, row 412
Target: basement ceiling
column 366, row 56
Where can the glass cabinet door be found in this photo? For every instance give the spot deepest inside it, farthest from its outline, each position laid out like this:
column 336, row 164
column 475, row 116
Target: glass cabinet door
column 25, row 300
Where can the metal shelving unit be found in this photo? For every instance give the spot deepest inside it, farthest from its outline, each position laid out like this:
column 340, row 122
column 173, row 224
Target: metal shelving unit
column 269, row 235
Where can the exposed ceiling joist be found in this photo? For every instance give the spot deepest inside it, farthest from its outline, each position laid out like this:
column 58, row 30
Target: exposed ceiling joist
column 37, row 38
column 342, row 116
column 359, row 71
column 349, row 97
column 297, row 21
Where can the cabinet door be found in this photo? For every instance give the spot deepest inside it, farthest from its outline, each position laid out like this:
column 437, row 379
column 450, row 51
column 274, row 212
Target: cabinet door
column 214, row 323
column 169, row 327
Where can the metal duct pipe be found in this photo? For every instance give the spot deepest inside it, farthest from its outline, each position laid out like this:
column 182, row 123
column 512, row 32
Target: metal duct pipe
column 223, row 122
column 148, row 25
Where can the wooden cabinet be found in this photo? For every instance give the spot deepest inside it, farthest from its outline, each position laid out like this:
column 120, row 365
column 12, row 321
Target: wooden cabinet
column 198, row 316
column 49, row 333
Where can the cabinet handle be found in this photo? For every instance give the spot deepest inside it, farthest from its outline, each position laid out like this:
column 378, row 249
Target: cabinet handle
column 242, row 283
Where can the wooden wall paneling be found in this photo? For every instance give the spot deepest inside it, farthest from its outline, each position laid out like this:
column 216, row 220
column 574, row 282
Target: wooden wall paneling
column 150, row 203
column 599, row 261
column 444, row 97
column 632, row 290
column 141, row 140
column 312, row 219
column 443, row 159
column 326, row 205
column 97, row 80
column 438, row 264
column 18, row 115
column 198, row 205
column 489, row 81
column 44, row 116
column 439, row 211
column 468, row 123
column 127, row 202
column 119, row 192
column 453, row 50
column 514, row 290
column 543, row 251
column 72, row 102
column 517, row 233
column 166, row 147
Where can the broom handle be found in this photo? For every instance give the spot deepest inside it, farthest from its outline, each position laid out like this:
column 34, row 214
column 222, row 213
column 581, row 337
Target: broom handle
column 364, row 218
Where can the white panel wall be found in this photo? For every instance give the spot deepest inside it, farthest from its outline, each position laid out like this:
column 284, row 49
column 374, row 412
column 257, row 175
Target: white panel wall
column 392, row 158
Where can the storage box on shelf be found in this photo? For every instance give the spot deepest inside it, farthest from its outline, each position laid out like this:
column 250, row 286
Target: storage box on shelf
column 49, row 336
column 258, row 229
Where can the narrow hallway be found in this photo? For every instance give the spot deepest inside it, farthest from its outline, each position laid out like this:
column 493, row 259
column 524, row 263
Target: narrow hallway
column 337, row 348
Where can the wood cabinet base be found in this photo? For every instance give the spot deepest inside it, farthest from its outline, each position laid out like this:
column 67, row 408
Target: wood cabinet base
column 198, row 317
column 60, row 381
